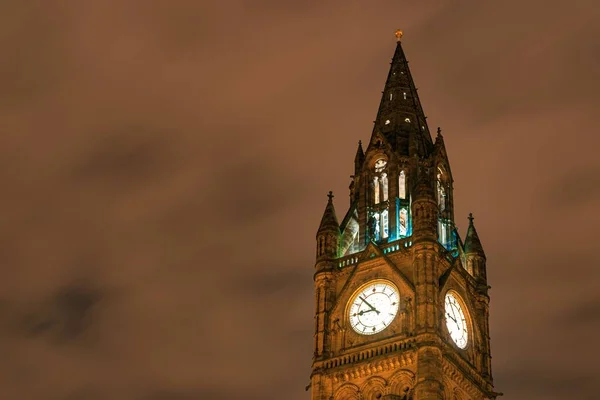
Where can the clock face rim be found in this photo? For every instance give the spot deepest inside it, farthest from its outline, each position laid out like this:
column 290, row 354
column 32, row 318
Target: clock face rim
column 394, row 308
column 462, row 309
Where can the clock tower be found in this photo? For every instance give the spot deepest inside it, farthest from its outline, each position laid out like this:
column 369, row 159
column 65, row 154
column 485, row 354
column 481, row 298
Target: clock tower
column 402, row 304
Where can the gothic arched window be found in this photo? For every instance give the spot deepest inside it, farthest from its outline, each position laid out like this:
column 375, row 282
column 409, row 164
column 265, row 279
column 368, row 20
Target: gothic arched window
column 402, row 185
column 380, row 182
column 441, row 189
column 384, row 224
column 403, row 222
column 380, row 165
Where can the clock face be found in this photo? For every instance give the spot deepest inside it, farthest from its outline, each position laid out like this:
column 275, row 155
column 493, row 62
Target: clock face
column 373, row 307
column 456, row 321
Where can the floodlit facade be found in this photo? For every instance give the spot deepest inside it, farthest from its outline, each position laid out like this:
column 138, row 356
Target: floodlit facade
column 402, row 303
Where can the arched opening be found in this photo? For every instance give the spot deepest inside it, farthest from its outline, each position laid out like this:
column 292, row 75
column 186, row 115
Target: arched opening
column 384, row 224
column 403, row 222
column 441, row 189
column 402, row 185
column 384, row 185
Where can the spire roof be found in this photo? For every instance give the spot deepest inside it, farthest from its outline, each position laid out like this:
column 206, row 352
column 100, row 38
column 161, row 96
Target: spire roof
column 472, row 243
column 359, row 158
column 400, row 116
column 329, row 221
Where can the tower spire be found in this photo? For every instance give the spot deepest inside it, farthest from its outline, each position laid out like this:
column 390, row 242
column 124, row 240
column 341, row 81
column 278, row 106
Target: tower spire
column 400, row 116
column 359, row 158
column 472, row 242
column 329, row 222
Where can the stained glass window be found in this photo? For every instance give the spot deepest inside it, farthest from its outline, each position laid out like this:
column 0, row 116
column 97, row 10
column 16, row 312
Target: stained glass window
column 376, row 190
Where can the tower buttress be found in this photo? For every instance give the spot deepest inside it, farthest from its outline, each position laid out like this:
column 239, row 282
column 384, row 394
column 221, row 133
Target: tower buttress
column 429, row 383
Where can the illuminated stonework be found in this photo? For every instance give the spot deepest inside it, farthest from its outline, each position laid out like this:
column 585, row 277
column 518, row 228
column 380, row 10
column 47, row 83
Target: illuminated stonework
column 402, row 303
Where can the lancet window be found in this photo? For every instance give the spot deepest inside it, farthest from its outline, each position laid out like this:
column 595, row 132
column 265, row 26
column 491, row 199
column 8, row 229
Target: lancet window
column 402, row 185
column 380, row 182
column 380, row 226
column 442, row 194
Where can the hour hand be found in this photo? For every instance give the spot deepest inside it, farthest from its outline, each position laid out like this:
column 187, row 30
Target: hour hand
column 369, row 304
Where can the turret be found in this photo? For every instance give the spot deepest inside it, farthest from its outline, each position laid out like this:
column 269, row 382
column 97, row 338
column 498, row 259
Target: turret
column 474, row 254
column 359, row 159
column 475, row 260
column 328, row 238
column 328, row 234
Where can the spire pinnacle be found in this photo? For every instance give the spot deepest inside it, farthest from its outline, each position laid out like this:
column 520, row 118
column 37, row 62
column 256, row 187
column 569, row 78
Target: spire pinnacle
column 329, row 221
column 359, row 158
column 399, row 35
column 472, row 242
column 400, row 117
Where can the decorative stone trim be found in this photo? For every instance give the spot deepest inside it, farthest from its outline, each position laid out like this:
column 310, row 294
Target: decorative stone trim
column 374, row 367
column 473, row 384
column 359, row 355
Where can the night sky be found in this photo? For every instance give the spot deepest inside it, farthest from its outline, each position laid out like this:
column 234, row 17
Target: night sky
column 164, row 167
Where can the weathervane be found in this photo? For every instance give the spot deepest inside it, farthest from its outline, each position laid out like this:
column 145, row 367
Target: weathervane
column 398, row 35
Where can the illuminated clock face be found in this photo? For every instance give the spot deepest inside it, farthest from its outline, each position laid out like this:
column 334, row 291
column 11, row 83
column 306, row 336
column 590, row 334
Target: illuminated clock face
column 373, row 307
column 456, row 321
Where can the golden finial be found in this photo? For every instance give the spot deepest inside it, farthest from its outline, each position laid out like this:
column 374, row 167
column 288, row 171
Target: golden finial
column 398, row 35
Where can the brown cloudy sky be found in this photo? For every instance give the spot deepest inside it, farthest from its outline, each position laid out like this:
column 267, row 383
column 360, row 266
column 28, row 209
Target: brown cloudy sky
column 164, row 166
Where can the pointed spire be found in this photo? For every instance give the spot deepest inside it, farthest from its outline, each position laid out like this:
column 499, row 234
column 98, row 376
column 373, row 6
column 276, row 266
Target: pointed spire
column 472, row 242
column 329, row 221
column 400, row 112
column 439, row 139
column 359, row 158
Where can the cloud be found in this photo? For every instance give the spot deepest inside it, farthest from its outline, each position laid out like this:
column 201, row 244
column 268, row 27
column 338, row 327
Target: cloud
column 586, row 314
column 65, row 315
column 164, row 170
column 543, row 384
column 129, row 156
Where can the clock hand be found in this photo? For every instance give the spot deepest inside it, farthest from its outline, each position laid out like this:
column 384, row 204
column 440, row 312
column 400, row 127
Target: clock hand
column 453, row 319
column 369, row 304
column 365, row 311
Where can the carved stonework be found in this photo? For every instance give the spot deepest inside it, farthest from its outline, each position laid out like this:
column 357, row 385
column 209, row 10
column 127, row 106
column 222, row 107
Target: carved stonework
column 401, row 302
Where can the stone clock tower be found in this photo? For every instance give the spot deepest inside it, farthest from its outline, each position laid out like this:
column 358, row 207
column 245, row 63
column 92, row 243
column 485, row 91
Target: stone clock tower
column 402, row 303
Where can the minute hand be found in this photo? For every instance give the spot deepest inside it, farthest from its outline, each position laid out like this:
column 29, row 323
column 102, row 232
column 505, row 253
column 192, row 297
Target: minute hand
column 369, row 304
